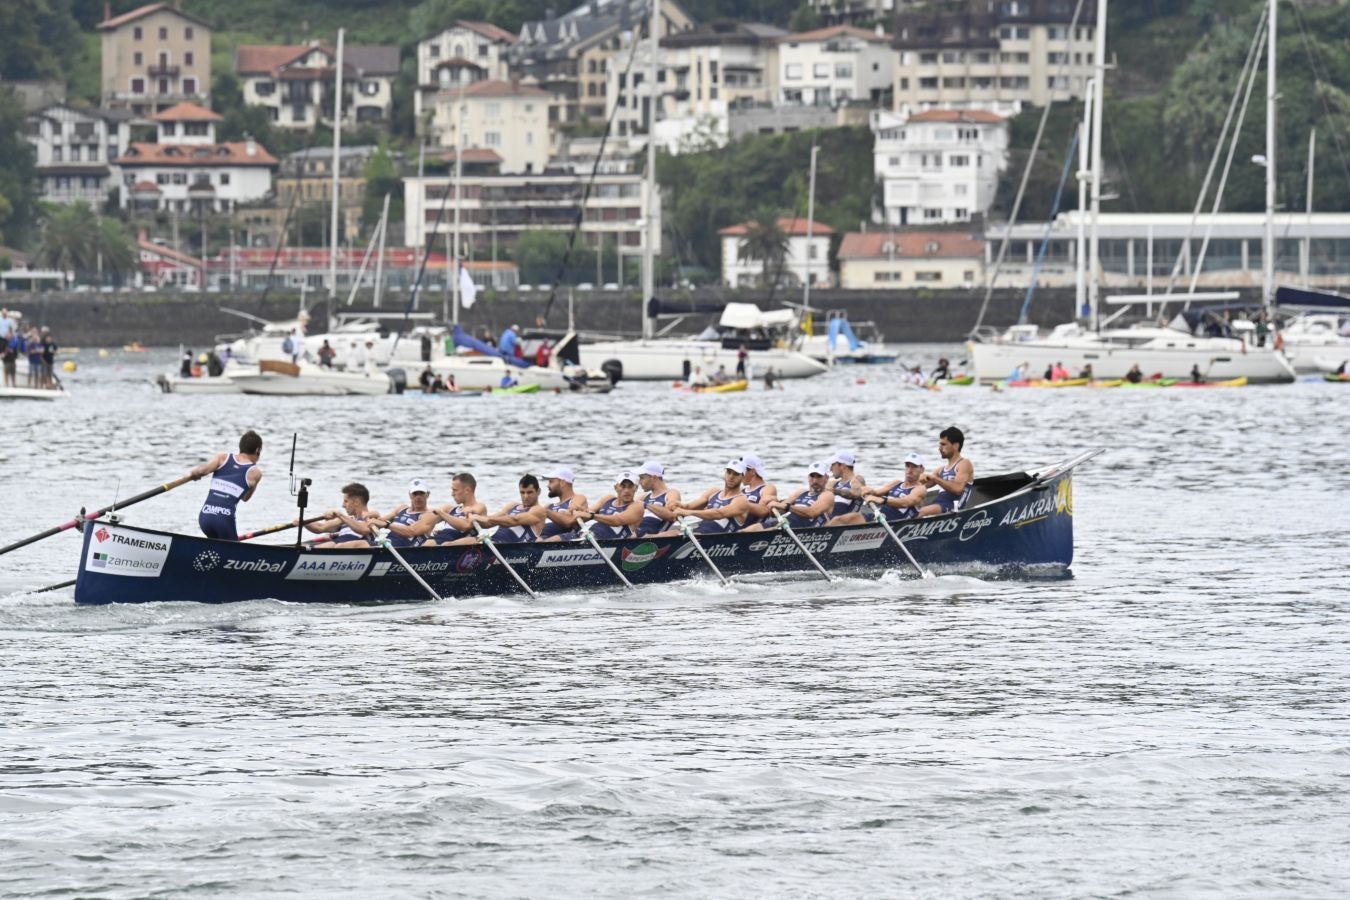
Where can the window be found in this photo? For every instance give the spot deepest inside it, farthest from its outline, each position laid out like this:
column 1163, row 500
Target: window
column 928, row 59
column 959, row 190
column 953, row 56
column 1057, row 83
column 169, row 128
column 112, row 151
column 189, row 85
column 187, row 33
column 163, row 34
column 494, row 110
column 265, row 88
column 843, row 70
column 984, row 57
column 1057, row 58
column 529, row 139
column 180, row 178
column 492, row 138
column 224, row 178
column 136, row 34
column 138, row 85
column 960, row 159
column 370, row 88
column 1056, row 33
column 434, row 50
column 928, row 276
column 187, row 58
column 75, row 153
column 793, row 71
column 162, row 178
column 893, row 162
column 953, row 82
column 56, row 154
column 483, row 51
column 821, row 70
column 138, row 58
column 928, row 84
column 932, row 214
column 196, row 129
column 164, row 85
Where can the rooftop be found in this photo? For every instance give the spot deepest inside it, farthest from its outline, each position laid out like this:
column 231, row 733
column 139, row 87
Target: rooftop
column 910, row 244
column 793, row 227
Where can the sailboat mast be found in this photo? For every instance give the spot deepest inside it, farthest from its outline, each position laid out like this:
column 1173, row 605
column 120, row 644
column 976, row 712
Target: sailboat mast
column 1084, row 173
column 1094, row 242
column 335, row 167
column 1307, row 238
column 649, row 245
column 1268, row 249
column 810, row 229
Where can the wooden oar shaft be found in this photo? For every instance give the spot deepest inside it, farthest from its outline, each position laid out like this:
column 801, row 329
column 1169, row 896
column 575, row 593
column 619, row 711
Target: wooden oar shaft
column 66, row 526
column 689, row 533
column 284, row 526
column 885, row 523
column 590, row 538
column 783, row 524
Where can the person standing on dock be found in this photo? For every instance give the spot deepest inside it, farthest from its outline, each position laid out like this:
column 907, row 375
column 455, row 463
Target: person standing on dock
column 235, row 478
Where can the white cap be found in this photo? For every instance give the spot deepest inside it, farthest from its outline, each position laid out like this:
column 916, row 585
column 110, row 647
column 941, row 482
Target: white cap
column 818, row 468
column 914, row 459
column 562, row 473
column 736, row 466
column 630, row 477
column 754, row 462
column 844, row 457
column 653, row 468
column 418, row 486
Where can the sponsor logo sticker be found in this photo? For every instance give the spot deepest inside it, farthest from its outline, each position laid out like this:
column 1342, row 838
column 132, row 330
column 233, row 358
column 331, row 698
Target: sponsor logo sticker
column 716, row 551
column 128, row 553
column 974, row 525
column 860, row 540
column 784, row 545
column 206, row 561
column 254, row 565
column 425, row 567
column 469, row 560
column 631, row 560
column 329, row 567
column 581, row 556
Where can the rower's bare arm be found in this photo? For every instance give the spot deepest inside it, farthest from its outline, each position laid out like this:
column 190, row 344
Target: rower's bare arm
column 207, row 467
column 823, row 504
column 567, row 518
column 698, row 502
column 666, row 513
column 767, row 498
column 253, row 477
column 631, row 515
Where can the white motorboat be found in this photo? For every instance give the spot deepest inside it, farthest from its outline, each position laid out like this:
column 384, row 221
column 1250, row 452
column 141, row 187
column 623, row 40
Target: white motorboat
column 27, row 393
column 178, row 383
column 767, row 338
column 478, row 366
column 308, row 380
column 1314, row 340
column 1173, row 352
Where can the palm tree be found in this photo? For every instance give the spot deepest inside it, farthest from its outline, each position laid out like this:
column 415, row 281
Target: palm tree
column 74, row 239
column 766, row 241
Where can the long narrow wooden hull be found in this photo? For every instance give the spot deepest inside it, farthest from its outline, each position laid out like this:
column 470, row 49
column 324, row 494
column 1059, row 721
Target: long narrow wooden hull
column 1016, row 523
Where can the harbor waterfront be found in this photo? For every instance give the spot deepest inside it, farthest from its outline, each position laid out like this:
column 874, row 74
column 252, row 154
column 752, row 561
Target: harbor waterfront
column 1169, row 720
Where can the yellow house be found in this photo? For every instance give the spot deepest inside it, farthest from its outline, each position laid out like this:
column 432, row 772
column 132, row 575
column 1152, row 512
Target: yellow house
column 886, row 260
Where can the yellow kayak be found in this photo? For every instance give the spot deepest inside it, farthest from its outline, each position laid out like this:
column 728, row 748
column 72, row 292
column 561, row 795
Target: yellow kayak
column 1108, row 382
column 728, row 388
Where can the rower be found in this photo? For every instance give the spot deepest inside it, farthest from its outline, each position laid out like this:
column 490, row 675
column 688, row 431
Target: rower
column 954, row 479
column 723, row 509
column 458, row 516
column 897, row 501
column 617, row 515
column 235, row 477
column 661, row 499
column 808, row 507
column 759, row 493
column 561, row 521
column 411, row 523
column 350, row 526
column 517, row 523
column 848, row 485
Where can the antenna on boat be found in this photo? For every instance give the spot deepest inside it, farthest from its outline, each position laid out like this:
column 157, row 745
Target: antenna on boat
column 301, row 493
column 117, row 494
column 294, row 437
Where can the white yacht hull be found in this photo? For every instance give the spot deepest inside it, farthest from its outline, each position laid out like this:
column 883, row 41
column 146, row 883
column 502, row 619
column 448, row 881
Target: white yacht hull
column 482, row 373
column 314, row 383
column 1317, row 354
column 206, row 384
column 663, row 360
column 26, row 393
column 1218, row 358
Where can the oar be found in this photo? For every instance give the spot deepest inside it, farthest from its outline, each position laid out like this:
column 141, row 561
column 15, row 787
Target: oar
column 689, row 533
column 783, row 524
column 487, row 539
column 84, row 517
column 590, row 538
column 284, row 526
column 382, row 535
column 885, row 523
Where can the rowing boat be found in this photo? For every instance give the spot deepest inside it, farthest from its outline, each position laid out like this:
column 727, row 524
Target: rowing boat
column 1019, row 523
column 1240, row 381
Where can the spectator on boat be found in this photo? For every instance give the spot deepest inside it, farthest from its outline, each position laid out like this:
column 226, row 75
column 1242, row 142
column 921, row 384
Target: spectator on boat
column 9, row 356
column 1018, row 373
column 1086, row 372
column 561, row 516
column 759, row 492
column 1059, row 373
column 185, row 364
column 698, row 379
column 292, row 346
column 48, row 379
column 723, row 508
column 721, row 376
column 953, row 480
column 458, row 516
column 356, row 357
column 896, row 501
column 425, row 379
column 509, row 342
column 410, row 523
column 517, row 523
column 352, row 525
column 34, row 344
column 437, row 384
column 1262, row 330
column 1196, row 376
column 848, row 485
column 1135, row 375
column 214, row 367
column 661, row 499
column 326, row 354
column 616, row 515
column 235, row 477
column 806, row 507
column 450, row 384
column 544, row 353
column 6, row 325
column 742, row 355
column 1049, row 373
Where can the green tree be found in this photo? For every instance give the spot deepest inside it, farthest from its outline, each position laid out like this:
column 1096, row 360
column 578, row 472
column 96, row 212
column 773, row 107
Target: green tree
column 34, row 37
column 18, row 174
column 766, row 241
column 75, row 239
column 382, row 177
column 805, row 18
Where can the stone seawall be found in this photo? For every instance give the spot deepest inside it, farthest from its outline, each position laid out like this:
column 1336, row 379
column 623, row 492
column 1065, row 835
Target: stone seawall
column 168, row 319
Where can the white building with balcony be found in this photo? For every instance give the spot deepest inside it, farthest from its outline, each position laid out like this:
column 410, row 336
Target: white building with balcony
column 296, row 83
column 461, row 54
column 75, row 149
column 805, row 256
column 187, row 171
column 505, row 117
column 938, row 166
column 834, row 66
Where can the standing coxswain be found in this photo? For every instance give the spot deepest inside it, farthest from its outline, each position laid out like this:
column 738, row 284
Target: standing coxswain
column 235, row 477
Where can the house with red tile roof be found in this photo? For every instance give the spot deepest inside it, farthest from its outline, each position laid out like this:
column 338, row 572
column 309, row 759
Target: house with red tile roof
column 807, row 254
column 153, row 57
column 296, row 82
column 891, row 260
column 456, row 56
column 507, row 118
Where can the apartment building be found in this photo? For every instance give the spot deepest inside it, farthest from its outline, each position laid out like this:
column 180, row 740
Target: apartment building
column 505, row 117
column 187, row 171
column 940, row 165
column 154, row 57
column 459, row 55
column 74, row 150
column 834, row 66
column 992, row 54
column 805, row 256
column 882, row 260
column 297, row 83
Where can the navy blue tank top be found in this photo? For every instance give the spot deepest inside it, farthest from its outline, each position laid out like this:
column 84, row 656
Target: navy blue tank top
column 650, row 523
column 893, row 514
column 552, row 528
column 406, row 516
column 228, row 484
column 516, row 534
column 806, row 498
column 611, row 532
column 719, row 526
column 843, row 505
column 752, row 494
column 448, row 534
column 948, row 501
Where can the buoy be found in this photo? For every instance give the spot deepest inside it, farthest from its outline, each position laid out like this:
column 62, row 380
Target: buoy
column 860, row 381
column 103, row 353
column 68, row 365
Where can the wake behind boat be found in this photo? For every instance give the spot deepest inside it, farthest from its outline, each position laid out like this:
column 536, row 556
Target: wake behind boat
column 1019, row 523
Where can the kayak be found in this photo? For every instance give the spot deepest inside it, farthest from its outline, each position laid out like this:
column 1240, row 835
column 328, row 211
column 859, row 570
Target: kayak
column 1331, row 376
column 1229, row 382
column 1155, row 383
column 959, row 380
column 517, row 389
column 450, row 393
column 1108, row 382
column 730, row 387
column 1042, row 383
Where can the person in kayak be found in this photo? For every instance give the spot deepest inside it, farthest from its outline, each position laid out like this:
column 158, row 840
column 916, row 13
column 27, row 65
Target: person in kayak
column 235, row 477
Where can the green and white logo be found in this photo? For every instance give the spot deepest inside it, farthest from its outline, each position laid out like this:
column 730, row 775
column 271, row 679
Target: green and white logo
column 640, row 556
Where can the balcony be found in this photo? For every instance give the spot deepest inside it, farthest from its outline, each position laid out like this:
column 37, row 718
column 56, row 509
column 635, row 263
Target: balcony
column 162, row 70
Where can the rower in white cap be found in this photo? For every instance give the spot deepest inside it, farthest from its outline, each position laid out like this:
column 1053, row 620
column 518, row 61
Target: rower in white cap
column 897, row 500
column 661, row 499
column 616, row 515
column 758, row 492
column 848, row 485
column 724, row 508
column 807, row 507
column 411, row 522
column 561, row 522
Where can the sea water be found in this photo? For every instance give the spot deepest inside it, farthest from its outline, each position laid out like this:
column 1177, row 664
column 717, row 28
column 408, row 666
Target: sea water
column 1172, row 721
